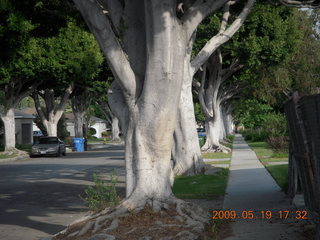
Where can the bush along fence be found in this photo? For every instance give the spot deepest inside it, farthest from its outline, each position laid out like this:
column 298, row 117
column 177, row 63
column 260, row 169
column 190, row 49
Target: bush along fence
column 303, row 116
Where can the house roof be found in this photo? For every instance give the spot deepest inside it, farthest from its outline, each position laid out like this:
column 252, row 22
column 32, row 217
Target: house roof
column 22, row 115
column 31, row 111
column 96, row 119
column 70, row 118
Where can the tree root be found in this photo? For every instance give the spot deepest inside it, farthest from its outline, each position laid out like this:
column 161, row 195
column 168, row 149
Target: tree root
column 216, row 148
column 16, row 152
column 186, row 216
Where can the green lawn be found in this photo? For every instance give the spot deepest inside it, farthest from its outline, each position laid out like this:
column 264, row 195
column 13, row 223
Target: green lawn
column 220, row 162
column 280, row 174
column 201, row 186
column 266, row 155
column 216, row 155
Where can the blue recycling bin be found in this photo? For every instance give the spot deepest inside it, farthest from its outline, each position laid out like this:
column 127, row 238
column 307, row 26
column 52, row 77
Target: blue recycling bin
column 78, row 144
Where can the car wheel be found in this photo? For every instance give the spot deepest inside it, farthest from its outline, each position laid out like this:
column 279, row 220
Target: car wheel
column 58, row 153
column 64, row 152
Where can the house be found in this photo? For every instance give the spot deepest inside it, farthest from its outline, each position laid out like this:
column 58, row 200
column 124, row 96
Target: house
column 33, row 112
column 100, row 125
column 24, row 129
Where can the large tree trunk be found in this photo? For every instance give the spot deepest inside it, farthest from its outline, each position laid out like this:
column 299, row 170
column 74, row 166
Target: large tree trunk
column 153, row 119
column 8, row 119
column 186, row 151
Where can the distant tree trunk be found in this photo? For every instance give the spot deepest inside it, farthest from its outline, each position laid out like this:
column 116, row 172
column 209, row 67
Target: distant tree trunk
column 213, row 131
column 54, row 111
column 52, row 126
column 108, row 110
column 115, row 129
column 78, row 124
column 213, row 95
column 227, row 119
column 8, row 119
column 79, row 103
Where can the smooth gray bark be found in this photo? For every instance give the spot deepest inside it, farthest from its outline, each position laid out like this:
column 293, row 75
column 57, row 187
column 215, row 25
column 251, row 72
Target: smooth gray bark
column 115, row 129
column 8, row 119
column 80, row 103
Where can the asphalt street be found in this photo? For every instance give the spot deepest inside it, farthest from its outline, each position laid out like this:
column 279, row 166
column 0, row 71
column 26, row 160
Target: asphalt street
column 41, row 196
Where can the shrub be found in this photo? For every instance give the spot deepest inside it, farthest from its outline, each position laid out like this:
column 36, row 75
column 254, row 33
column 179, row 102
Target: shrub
column 255, row 135
column 278, row 143
column 104, row 134
column 276, row 125
column 230, row 138
column 103, row 194
column 92, row 131
column 92, row 137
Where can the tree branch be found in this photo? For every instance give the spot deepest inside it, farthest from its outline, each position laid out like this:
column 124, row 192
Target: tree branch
column 64, row 99
column 233, row 68
column 221, row 38
column 115, row 11
column 228, row 93
column 118, row 62
column 37, row 104
column 299, row 4
column 25, row 93
column 199, row 11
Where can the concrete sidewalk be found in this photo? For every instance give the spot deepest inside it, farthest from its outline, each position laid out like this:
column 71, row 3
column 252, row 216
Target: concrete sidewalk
column 251, row 188
column 250, row 185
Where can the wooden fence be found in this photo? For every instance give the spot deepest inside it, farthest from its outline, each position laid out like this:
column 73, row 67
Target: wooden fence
column 303, row 116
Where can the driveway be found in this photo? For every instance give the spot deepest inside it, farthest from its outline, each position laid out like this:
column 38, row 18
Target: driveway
column 40, row 196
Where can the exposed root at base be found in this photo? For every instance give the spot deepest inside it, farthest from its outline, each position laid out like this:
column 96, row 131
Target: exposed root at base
column 170, row 219
column 15, row 152
column 216, row 148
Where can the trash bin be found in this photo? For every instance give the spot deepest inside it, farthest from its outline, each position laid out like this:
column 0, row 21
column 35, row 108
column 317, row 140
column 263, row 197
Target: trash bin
column 78, row 144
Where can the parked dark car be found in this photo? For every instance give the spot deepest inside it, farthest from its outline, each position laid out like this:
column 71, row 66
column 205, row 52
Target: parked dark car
column 48, row 146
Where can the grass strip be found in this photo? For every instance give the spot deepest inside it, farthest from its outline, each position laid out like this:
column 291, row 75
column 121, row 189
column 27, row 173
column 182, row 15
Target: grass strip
column 5, row 156
column 280, row 175
column 265, row 155
column 201, row 186
column 216, row 155
column 220, row 162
